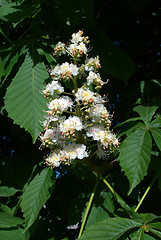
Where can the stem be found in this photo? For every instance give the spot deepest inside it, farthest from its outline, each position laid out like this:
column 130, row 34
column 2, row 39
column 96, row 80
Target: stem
column 68, row 52
column 120, row 201
column 146, row 192
column 142, row 199
column 70, row 112
column 71, row 94
column 88, row 207
column 107, row 184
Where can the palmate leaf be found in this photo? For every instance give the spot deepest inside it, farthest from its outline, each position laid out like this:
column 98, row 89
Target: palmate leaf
column 156, row 225
column 7, row 9
column 137, row 235
column 146, row 113
column 7, row 191
column 13, row 235
column 157, row 136
column 145, row 218
column 7, row 220
column 140, row 235
column 155, row 232
column 36, row 194
column 23, row 101
column 156, row 123
column 110, row 229
column 135, row 155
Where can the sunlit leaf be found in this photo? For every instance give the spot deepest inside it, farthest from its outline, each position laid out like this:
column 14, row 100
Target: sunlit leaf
column 102, row 208
column 110, row 229
column 24, row 101
column 7, row 191
column 146, row 113
column 36, row 194
column 7, row 220
column 7, row 9
column 134, row 158
column 157, row 136
column 13, row 235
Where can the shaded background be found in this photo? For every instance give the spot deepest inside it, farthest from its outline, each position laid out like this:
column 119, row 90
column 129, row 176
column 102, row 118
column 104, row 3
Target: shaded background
column 126, row 36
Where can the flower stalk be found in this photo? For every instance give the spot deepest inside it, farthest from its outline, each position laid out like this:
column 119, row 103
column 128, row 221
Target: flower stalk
column 88, row 207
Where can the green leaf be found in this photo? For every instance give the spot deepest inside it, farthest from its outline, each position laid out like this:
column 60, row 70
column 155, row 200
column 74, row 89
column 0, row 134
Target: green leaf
column 2, row 70
column 7, row 191
column 137, row 235
column 130, row 127
column 144, row 218
column 110, row 229
column 12, row 59
column 7, row 220
column 23, row 101
column 140, row 235
column 36, row 194
column 146, row 113
column 13, row 235
column 157, row 136
column 134, row 158
column 7, row 9
column 147, row 237
column 155, row 232
column 156, row 225
column 101, row 209
column 156, row 123
column 156, row 82
column 128, row 120
column 122, row 203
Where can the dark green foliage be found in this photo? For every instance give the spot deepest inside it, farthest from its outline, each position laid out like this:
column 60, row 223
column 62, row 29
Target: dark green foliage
column 34, row 203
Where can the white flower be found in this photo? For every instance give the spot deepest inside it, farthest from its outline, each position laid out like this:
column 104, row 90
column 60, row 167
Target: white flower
column 109, row 139
column 91, row 77
column 73, row 48
column 55, row 73
column 74, row 151
column 70, row 152
column 77, row 37
column 59, row 49
column 48, row 120
column 98, row 112
column 94, row 78
column 53, row 87
column 53, row 159
column 65, row 71
column 102, row 153
column 64, row 68
column 84, row 95
column 81, row 151
column 51, row 136
column 60, row 104
column 74, row 69
column 96, row 131
column 98, row 99
column 82, row 48
column 71, row 124
column 92, row 63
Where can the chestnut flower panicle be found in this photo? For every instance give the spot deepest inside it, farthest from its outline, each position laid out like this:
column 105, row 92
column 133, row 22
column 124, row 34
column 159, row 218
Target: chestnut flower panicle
column 76, row 120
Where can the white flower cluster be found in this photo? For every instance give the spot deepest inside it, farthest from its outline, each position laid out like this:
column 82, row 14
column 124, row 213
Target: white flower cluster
column 78, row 126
